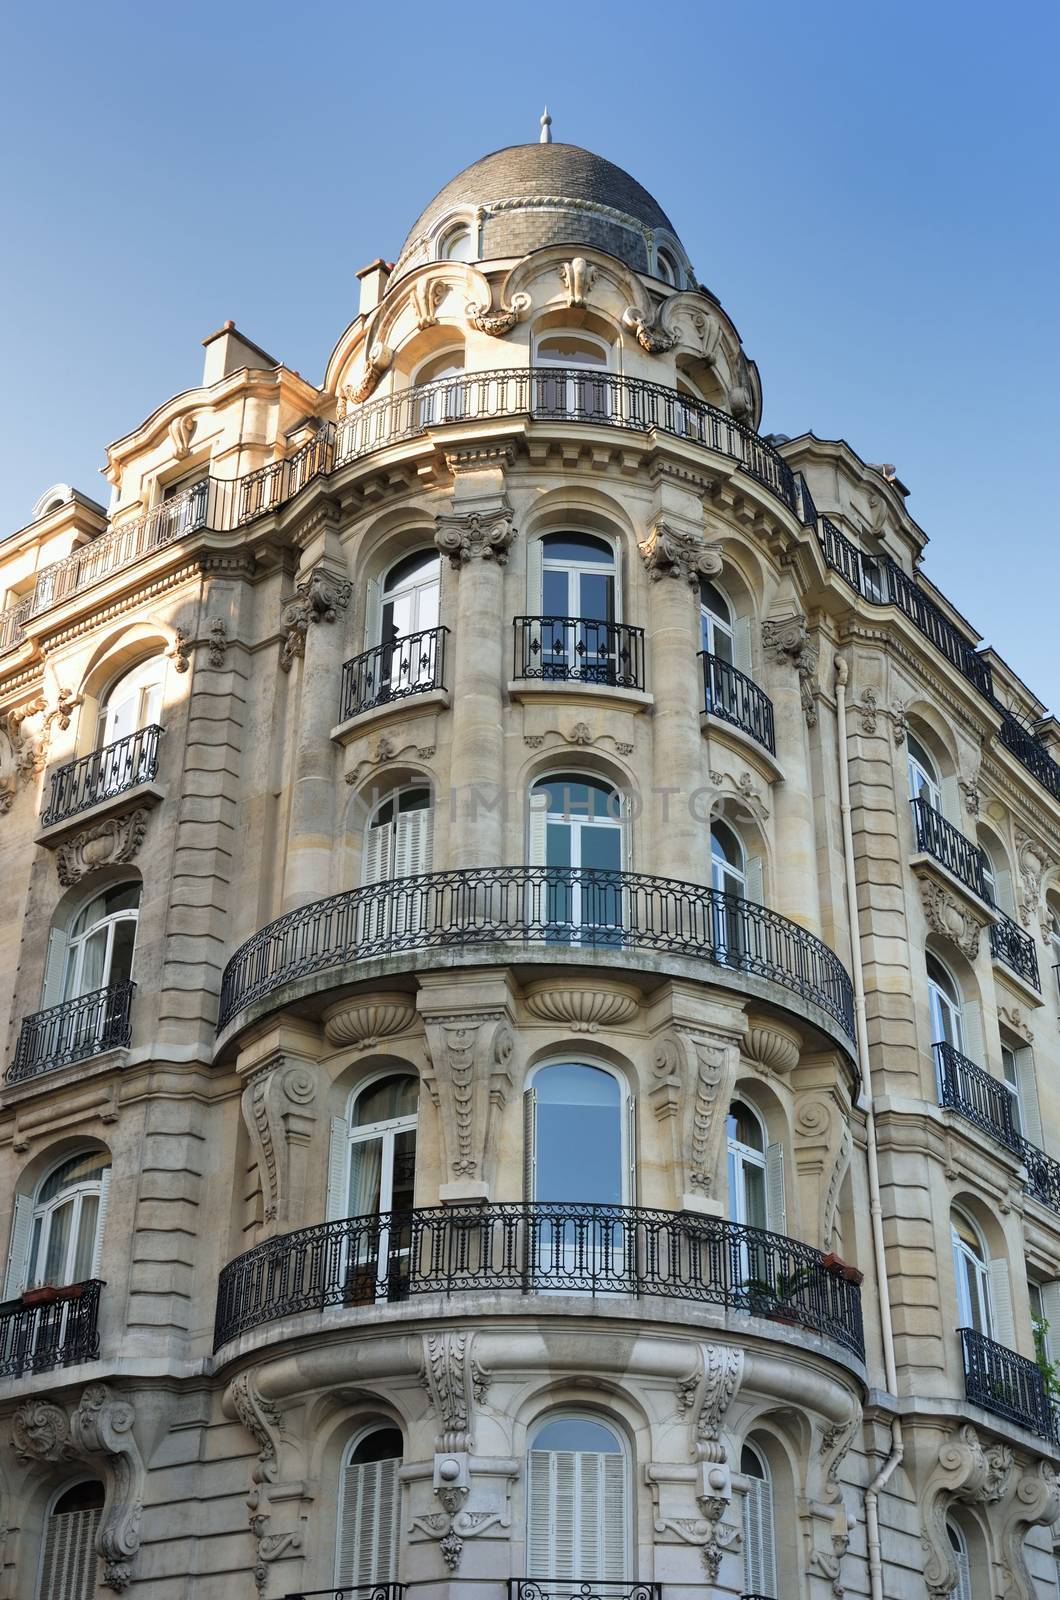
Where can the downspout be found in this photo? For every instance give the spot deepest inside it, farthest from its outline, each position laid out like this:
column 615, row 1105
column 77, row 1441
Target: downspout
column 879, row 1482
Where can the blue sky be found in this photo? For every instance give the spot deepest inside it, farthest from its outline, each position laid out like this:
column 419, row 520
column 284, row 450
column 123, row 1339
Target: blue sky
column 871, row 191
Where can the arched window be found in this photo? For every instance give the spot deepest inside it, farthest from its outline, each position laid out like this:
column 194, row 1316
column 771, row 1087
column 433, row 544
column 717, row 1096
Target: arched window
column 756, row 1172
column 578, row 1511
column 578, row 1127
column 959, row 1546
column 440, row 390
column 367, row 1542
column 972, row 1271
column 397, row 840
column 68, row 1554
column 727, row 861
column 716, row 626
column 403, row 622
column 575, row 638
column 98, row 950
column 759, row 1546
column 456, row 244
column 924, row 781
column 733, row 873
column 666, row 267
column 373, row 1151
column 1053, row 940
column 571, row 376
column 576, row 825
column 133, row 701
column 947, row 1020
column 57, row 1233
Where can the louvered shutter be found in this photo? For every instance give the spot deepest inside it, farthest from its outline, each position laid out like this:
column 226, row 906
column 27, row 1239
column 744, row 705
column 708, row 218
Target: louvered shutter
column 760, row 1566
column 338, row 1198
column 741, row 645
column 963, row 1590
column 1051, row 1312
column 368, row 1518
column 18, row 1254
column 68, row 1560
column 530, row 1144
column 613, row 1547
column 372, row 614
column 101, row 1222
column 631, row 1151
column 753, row 889
column 412, row 855
column 1003, row 885
column 1026, row 1078
column 375, row 868
column 52, row 991
column 972, row 1032
column 538, row 834
column 534, row 599
column 776, row 1210
column 1002, row 1327
column 576, row 1515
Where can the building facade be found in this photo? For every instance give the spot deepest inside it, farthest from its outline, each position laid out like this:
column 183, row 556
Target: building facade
column 529, row 937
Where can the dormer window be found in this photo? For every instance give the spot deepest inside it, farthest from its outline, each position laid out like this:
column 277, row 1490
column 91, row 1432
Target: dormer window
column 455, row 244
column 666, row 267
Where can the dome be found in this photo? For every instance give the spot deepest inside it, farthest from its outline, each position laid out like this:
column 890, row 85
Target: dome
column 533, row 195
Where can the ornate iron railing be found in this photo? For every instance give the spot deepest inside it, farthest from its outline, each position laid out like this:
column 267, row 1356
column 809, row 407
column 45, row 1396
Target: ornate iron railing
column 584, row 1589
column 980, row 1098
column 410, row 664
column 72, row 1031
column 563, row 394
column 1009, row 943
column 353, row 1591
column 947, row 844
column 103, row 774
column 1034, row 756
column 60, row 1332
column 559, row 906
column 842, row 555
column 1008, row 1385
column 271, row 486
column 736, row 698
column 538, row 1247
column 12, row 623
column 579, row 650
column 1043, row 1176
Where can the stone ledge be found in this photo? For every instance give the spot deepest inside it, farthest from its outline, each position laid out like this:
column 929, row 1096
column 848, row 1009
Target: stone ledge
column 140, row 795
column 551, row 691
column 728, row 733
column 405, row 708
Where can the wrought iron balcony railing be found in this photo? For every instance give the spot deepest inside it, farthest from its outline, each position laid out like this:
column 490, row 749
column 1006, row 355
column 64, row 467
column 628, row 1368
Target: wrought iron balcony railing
column 939, row 838
column 1008, row 1385
column 1043, row 1176
column 1034, row 756
column 580, row 1589
column 980, row 1098
column 72, row 1031
column 573, row 907
column 39, row 1333
column 538, row 1247
column 353, row 1591
column 272, row 486
column 579, row 650
column 13, row 623
column 1009, row 943
column 103, row 774
column 410, row 664
column 735, row 698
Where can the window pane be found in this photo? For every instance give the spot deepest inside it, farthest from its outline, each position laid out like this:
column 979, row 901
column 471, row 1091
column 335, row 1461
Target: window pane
column 53, row 1267
column 121, row 955
column 85, row 1248
column 393, row 1097
column 579, row 1135
column 577, row 1433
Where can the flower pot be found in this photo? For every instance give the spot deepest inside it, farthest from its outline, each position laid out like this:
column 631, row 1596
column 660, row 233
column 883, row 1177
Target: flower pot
column 835, row 1264
column 41, row 1296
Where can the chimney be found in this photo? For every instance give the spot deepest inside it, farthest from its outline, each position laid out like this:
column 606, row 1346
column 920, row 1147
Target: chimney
column 228, row 350
column 373, row 279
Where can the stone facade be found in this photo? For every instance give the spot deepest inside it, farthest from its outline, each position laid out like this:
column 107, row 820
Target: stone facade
column 246, row 554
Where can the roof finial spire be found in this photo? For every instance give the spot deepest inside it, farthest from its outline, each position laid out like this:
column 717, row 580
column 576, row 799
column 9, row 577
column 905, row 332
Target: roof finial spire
column 546, row 128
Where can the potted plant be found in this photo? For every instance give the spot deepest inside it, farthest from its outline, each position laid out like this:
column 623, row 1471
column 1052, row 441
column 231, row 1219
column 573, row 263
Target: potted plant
column 831, row 1262
column 775, row 1300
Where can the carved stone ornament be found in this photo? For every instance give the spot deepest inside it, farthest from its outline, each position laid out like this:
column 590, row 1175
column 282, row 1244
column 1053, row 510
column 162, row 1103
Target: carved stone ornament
column 62, row 711
column 969, row 788
column 427, row 296
column 743, row 789
column 263, row 1422
column 486, row 534
column 178, row 651
column 181, row 430
column 788, row 639
column 868, row 711
column 1013, row 1018
column 1034, row 1501
column 21, row 756
column 455, row 1382
column 694, row 1075
column 578, row 278
column 318, row 598
column 98, row 1433
column 580, row 1008
column 899, row 721
column 363, row 1021
column 376, row 362
column 772, row 1045
column 671, row 552
column 705, row 1395
column 947, row 916
column 216, row 641
column 469, row 1081
column 1033, row 864
column 965, row 1471
column 277, row 1108
column 649, row 334
column 484, row 319
column 105, row 844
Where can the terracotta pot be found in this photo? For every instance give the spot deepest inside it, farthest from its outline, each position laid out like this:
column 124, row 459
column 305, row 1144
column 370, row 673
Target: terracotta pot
column 42, row 1296
column 833, row 1263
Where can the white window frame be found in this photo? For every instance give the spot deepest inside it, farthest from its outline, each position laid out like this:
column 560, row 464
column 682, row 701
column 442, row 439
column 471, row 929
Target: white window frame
column 924, row 780
column 146, row 682
column 460, row 226
column 626, row 1109
column 981, row 1314
column 623, row 1516
column 942, row 1006
column 759, row 1545
column 387, row 1131
column 441, row 405
column 76, row 945
column 87, row 1557
column 742, row 1158
column 723, row 875
column 355, row 1578
column 711, row 625
column 959, row 1545
column 43, row 1213
column 580, row 372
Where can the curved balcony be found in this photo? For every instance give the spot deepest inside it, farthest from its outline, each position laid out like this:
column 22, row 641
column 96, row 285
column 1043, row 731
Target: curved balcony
column 539, row 1247
column 411, row 664
column 735, row 698
column 562, row 907
column 579, row 650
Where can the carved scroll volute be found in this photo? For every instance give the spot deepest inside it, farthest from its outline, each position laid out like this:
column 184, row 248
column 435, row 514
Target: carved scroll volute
column 1035, row 1500
column 263, row 1422
column 694, row 1077
column 965, row 1471
column 278, row 1107
column 822, row 1149
column 469, row 1081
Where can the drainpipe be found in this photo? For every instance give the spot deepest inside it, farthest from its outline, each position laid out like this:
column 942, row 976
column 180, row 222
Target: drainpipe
column 875, row 1488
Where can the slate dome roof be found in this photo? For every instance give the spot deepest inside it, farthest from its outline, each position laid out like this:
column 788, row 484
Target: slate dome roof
column 592, row 202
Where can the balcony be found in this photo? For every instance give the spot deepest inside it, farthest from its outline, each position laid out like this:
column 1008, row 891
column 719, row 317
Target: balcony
column 570, row 1589
column 412, row 664
column 60, row 1331
column 733, row 697
column 533, row 1248
column 1033, row 755
column 552, row 907
column 1008, row 1385
column 356, row 1591
column 1009, row 943
column 104, row 774
column 947, row 845
column 72, row 1031
column 576, row 650
column 980, row 1098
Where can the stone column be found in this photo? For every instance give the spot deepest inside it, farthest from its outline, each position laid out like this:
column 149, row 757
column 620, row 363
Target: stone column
column 476, row 536
column 792, row 687
column 314, row 642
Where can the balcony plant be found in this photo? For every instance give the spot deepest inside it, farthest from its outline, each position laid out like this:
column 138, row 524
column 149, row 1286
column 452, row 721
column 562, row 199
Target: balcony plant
column 1049, row 1370
column 775, row 1299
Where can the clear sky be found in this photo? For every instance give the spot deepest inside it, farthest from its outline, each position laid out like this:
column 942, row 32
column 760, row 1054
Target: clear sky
column 871, row 191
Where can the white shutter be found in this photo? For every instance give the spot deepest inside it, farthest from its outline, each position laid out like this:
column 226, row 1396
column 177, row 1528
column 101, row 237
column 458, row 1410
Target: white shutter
column 759, row 1557
column 18, row 1255
column 68, row 1560
column 529, row 1144
column 534, row 599
column 776, row 1210
column 372, row 614
column 631, row 1151
column 963, row 1590
column 375, row 863
column 972, row 1032
column 1003, row 887
column 52, row 990
column 338, row 1197
column 753, row 888
column 1051, row 1311
column 101, row 1222
column 741, row 645
column 612, row 1561
column 368, row 1515
column 1026, row 1078
column 1002, row 1328
column 412, row 843
column 538, row 836
column 539, row 1498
